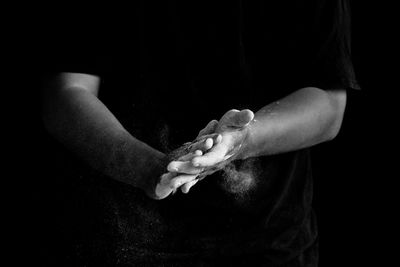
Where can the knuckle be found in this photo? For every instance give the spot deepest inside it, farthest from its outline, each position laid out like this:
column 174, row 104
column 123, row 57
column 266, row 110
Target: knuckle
column 233, row 110
column 172, row 165
column 175, row 184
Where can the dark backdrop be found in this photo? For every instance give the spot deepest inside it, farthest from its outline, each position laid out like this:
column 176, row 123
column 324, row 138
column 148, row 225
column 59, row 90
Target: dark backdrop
column 353, row 197
column 351, row 173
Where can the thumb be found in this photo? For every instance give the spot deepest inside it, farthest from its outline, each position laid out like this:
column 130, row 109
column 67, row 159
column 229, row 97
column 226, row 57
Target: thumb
column 209, row 129
column 242, row 118
column 236, row 118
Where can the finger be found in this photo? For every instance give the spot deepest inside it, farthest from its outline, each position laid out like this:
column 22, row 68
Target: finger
column 218, row 139
column 204, row 144
column 236, row 118
column 181, row 180
column 186, row 187
column 211, row 158
column 226, row 118
column 162, row 188
column 208, row 143
column 183, row 167
column 166, row 178
column 198, row 153
column 243, row 118
column 210, row 128
column 190, row 156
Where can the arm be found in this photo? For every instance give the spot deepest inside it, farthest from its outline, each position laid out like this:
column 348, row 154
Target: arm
column 74, row 115
column 302, row 119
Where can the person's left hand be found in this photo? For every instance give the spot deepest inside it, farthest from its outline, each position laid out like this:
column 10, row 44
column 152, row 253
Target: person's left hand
column 233, row 129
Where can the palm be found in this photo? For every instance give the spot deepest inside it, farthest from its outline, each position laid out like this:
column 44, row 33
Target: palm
column 220, row 140
column 233, row 129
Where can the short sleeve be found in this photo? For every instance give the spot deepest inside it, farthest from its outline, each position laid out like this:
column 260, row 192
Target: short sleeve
column 328, row 46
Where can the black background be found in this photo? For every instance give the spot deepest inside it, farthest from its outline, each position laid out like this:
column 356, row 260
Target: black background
column 352, row 172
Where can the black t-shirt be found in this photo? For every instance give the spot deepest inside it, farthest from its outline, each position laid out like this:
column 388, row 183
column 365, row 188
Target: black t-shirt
column 166, row 70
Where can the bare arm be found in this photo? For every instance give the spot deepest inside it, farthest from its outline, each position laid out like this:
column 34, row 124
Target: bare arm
column 74, row 115
column 302, row 119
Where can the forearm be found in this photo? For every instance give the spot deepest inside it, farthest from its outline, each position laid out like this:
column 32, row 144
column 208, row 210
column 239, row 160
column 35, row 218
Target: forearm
column 83, row 123
column 306, row 117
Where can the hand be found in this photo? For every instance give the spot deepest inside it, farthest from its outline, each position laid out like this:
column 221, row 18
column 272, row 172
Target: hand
column 233, row 127
column 231, row 132
column 183, row 174
column 170, row 181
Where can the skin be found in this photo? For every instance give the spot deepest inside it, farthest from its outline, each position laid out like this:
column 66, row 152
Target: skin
column 307, row 117
column 73, row 114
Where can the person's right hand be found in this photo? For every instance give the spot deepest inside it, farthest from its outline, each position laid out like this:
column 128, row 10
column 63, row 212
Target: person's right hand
column 230, row 133
column 183, row 175
column 181, row 172
column 169, row 182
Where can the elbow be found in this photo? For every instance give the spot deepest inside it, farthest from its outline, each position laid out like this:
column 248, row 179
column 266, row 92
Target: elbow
column 337, row 105
column 332, row 132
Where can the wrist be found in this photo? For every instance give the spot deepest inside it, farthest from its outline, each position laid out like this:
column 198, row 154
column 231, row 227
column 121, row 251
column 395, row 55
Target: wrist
column 136, row 163
column 247, row 147
column 152, row 166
